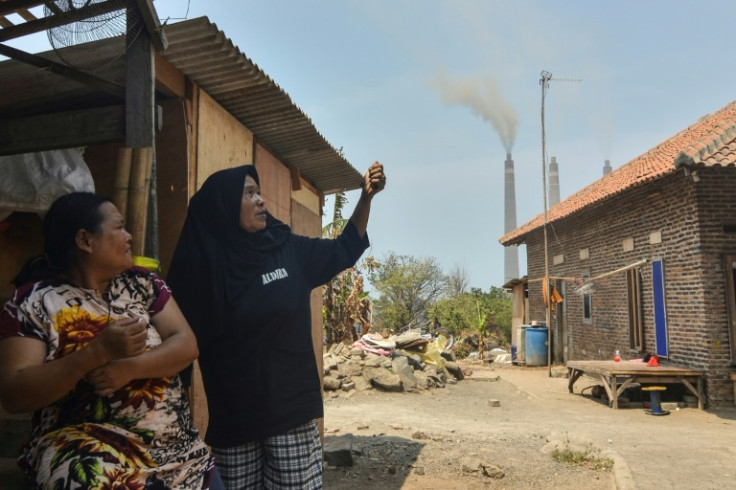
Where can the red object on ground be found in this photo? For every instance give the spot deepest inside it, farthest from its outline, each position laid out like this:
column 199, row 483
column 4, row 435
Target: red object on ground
column 653, row 362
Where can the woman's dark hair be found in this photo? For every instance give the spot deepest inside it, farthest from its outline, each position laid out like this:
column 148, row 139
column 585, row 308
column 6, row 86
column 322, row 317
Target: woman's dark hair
column 67, row 215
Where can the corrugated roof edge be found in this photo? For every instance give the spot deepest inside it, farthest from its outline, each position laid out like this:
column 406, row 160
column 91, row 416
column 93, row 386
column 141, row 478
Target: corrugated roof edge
column 204, row 54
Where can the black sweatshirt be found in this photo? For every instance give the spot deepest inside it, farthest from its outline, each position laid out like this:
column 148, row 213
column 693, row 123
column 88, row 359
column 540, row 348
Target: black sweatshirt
column 261, row 377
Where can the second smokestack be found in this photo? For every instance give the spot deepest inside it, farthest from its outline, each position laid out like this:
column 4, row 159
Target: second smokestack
column 554, row 182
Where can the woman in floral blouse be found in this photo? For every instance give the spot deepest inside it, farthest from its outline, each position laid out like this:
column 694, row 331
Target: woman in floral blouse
column 93, row 345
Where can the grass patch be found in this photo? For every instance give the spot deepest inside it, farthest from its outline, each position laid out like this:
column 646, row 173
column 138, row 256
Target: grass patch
column 588, row 457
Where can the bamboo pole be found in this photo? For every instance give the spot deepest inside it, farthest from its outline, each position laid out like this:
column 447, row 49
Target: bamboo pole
column 148, row 161
column 122, row 180
column 561, row 278
column 138, row 198
column 149, row 165
column 591, row 279
column 147, row 194
column 621, row 269
column 152, row 238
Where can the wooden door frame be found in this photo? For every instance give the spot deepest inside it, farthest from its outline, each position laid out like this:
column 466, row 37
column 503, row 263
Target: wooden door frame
column 729, row 260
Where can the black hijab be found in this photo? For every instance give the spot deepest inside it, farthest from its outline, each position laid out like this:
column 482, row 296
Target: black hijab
column 215, row 258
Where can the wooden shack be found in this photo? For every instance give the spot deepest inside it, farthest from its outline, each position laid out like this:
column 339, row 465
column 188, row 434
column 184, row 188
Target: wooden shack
column 153, row 125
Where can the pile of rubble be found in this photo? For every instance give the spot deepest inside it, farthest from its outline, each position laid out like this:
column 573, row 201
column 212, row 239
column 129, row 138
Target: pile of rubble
column 404, row 363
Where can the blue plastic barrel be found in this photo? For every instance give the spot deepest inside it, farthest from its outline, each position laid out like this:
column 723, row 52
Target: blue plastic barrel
column 536, row 346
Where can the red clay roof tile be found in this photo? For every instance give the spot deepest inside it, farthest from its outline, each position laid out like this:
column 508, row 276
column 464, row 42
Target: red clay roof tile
column 710, row 141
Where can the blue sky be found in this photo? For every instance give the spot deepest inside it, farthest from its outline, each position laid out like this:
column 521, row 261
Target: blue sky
column 392, row 80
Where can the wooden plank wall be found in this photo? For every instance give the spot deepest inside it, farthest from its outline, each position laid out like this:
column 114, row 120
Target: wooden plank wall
column 171, row 178
column 275, row 184
column 312, row 199
column 222, row 142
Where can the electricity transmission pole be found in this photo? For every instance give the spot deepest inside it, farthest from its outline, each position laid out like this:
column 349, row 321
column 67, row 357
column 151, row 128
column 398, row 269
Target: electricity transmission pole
column 545, row 78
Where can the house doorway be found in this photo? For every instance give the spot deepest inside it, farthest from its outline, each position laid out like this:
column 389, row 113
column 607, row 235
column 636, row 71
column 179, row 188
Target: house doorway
column 660, row 311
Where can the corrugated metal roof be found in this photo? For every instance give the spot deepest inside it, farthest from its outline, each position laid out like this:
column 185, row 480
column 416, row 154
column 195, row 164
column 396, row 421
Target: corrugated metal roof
column 205, row 55
column 710, row 141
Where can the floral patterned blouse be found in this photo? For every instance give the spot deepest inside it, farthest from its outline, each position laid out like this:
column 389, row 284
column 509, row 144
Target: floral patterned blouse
column 141, row 436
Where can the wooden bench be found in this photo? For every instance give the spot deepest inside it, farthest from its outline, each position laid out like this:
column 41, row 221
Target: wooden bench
column 617, row 376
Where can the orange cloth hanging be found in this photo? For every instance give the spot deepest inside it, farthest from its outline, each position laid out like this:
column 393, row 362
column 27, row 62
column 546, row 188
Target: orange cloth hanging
column 556, row 297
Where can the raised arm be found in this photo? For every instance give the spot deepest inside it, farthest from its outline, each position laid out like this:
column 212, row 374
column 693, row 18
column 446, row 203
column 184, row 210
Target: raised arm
column 374, row 181
column 177, row 350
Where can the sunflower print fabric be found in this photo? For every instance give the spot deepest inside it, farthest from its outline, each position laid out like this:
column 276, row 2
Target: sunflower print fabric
column 140, row 437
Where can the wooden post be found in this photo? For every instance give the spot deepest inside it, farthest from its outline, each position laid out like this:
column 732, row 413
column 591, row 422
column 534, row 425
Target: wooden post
column 139, row 84
column 122, row 181
column 138, row 198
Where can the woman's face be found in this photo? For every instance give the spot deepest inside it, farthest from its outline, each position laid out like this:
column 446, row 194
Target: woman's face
column 110, row 246
column 252, row 207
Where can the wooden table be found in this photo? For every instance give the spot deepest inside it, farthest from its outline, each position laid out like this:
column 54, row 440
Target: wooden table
column 617, row 376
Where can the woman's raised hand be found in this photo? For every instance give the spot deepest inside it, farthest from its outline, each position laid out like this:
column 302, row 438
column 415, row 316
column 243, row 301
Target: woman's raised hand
column 374, row 180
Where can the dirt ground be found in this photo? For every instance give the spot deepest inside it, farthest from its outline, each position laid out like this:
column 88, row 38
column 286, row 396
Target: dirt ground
column 431, row 440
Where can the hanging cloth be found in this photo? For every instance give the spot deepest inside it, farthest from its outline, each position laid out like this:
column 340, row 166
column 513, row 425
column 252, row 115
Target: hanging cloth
column 548, row 289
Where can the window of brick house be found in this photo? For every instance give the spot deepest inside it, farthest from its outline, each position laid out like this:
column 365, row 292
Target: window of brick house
column 587, row 301
column 636, row 323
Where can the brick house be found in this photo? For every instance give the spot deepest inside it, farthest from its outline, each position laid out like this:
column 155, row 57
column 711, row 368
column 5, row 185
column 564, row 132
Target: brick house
column 645, row 258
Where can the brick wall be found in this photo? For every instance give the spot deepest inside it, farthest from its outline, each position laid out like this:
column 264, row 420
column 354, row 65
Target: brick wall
column 690, row 217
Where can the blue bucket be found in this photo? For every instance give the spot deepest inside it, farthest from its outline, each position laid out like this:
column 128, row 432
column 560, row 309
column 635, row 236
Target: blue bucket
column 536, row 346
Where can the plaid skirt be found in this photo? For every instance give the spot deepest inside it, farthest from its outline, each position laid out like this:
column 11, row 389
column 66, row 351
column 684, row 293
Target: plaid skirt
column 287, row 461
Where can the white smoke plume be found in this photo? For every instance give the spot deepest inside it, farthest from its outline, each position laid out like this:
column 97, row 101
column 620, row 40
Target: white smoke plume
column 484, row 99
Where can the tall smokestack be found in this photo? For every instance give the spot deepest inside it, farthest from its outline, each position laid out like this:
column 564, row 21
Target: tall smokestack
column 607, row 167
column 511, row 253
column 554, row 182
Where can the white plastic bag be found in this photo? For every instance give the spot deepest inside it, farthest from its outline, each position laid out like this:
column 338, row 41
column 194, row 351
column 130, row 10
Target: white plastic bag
column 31, row 182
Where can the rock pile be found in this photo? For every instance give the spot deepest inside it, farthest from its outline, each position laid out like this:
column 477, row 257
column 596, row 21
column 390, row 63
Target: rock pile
column 403, row 363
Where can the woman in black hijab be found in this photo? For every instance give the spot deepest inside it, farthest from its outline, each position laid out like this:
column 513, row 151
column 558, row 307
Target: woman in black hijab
column 243, row 281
